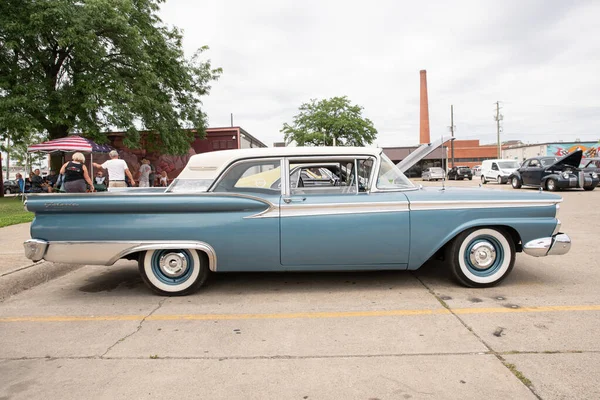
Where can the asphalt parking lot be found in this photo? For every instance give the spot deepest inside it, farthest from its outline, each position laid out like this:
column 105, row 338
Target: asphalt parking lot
column 98, row 332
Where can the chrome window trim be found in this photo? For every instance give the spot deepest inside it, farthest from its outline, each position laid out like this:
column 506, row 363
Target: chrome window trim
column 285, row 178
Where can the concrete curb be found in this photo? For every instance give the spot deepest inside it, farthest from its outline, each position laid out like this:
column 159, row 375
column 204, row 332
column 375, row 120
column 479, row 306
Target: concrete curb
column 29, row 276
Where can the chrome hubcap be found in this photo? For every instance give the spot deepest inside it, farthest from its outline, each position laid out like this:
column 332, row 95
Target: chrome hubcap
column 482, row 255
column 173, row 264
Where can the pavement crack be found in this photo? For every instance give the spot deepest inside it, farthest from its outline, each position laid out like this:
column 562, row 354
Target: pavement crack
column 160, row 303
column 511, row 367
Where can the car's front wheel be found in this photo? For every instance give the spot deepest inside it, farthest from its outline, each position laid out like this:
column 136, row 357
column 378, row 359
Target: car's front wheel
column 173, row 272
column 481, row 257
column 483, row 180
column 589, row 188
column 516, row 183
column 7, row 191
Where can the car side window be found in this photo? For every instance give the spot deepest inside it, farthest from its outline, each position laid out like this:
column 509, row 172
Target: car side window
column 331, row 176
column 494, row 166
column 534, row 163
column 251, row 176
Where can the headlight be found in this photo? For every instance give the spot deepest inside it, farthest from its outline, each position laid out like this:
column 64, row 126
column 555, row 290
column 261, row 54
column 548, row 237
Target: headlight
column 565, row 175
column 594, row 175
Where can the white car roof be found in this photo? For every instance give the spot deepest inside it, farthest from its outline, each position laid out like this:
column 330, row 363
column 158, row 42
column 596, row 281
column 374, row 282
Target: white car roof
column 209, row 165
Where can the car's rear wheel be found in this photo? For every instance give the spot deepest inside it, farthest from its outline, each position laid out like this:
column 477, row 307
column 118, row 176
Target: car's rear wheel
column 7, row 191
column 551, row 185
column 173, row 272
column 483, row 180
column 516, row 183
column 499, row 180
column 589, row 188
column 481, row 257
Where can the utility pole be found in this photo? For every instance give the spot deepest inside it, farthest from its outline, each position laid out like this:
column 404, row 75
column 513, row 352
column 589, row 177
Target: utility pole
column 498, row 117
column 452, row 132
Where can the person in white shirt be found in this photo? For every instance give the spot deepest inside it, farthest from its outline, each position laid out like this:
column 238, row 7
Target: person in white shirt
column 117, row 169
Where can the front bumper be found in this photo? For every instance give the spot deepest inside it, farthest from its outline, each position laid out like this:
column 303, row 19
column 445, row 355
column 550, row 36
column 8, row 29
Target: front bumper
column 556, row 245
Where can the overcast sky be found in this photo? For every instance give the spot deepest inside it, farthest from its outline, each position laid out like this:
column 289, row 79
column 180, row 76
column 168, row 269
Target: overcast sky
column 541, row 59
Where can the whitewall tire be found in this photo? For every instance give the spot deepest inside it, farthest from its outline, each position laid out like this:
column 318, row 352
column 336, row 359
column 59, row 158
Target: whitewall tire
column 481, row 257
column 173, row 272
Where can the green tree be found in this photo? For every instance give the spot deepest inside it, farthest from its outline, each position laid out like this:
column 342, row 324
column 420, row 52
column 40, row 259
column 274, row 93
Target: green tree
column 95, row 65
column 330, row 122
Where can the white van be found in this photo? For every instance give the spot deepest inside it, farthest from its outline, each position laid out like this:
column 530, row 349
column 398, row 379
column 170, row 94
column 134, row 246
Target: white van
column 497, row 170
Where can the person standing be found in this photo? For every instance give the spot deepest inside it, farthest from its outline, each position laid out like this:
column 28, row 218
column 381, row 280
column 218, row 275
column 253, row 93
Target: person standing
column 145, row 171
column 76, row 175
column 117, row 169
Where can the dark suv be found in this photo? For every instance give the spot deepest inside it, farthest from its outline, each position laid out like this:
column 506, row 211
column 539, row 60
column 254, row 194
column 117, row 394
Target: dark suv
column 460, row 173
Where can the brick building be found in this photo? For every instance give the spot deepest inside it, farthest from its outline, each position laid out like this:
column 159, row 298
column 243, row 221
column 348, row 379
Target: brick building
column 471, row 153
column 216, row 139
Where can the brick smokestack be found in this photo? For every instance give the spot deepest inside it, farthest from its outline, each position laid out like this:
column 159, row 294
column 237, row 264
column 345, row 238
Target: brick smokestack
column 424, row 120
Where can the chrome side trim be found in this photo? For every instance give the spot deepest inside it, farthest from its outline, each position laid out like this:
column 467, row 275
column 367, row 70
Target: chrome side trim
column 109, row 252
column 557, row 229
column 549, row 246
column 459, row 204
column 302, row 210
column 35, row 249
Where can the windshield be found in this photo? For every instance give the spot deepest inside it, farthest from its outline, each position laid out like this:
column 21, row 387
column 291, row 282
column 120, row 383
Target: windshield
column 548, row 161
column 508, row 164
column 437, row 170
column 390, row 177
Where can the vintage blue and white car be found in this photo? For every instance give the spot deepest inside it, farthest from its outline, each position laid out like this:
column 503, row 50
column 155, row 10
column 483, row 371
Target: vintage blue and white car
column 295, row 209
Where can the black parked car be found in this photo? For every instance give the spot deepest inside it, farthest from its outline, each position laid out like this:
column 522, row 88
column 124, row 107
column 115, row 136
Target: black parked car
column 590, row 164
column 552, row 173
column 11, row 187
column 460, row 173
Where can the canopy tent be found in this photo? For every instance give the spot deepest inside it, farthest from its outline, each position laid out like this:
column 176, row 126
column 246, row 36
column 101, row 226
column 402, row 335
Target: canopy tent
column 71, row 143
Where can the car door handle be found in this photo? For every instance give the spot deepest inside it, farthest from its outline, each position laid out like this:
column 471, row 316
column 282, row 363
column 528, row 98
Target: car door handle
column 289, row 200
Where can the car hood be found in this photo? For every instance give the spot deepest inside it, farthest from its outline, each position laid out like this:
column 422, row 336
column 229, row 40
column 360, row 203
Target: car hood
column 570, row 160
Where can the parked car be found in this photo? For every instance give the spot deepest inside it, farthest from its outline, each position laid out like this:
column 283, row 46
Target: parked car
column 433, row 174
column 460, row 173
column 245, row 210
column 553, row 173
column 11, row 186
column 476, row 170
column 590, row 164
column 497, row 170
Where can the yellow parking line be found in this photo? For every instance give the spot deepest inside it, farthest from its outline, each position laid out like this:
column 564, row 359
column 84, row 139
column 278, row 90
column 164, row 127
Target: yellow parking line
column 302, row 315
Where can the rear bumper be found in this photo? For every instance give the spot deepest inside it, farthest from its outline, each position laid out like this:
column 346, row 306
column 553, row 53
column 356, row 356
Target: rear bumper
column 556, row 245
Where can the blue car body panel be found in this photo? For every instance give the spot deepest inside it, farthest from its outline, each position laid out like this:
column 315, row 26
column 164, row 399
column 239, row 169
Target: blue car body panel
column 261, row 232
